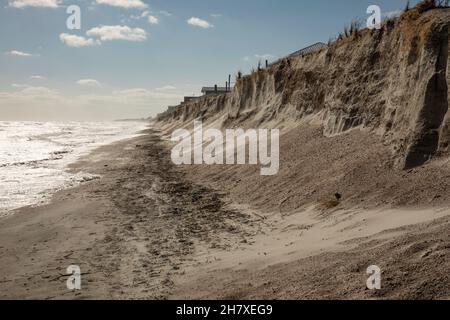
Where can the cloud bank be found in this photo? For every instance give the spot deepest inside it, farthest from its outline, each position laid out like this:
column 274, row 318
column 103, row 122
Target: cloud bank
column 127, row 4
column 109, row 33
column 76, row 41
column 34, row 3
column 89, row 83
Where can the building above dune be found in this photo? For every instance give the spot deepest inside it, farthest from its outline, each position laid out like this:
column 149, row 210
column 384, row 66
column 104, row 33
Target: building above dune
column 209, row 91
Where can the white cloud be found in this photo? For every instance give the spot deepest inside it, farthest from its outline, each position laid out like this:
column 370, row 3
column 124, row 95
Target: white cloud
column 120, row 97
column 76, row 41
column 197, row 22
column 89, row 83
column 166, row 88
column 127, row 4
column 108, row 33
column 148, row 13
column 165, row 13
column 37, row 77
column 247, row 58
column 29, row 93
column 264, row 56
column 34, row 3
column 140, row 16
column 18, row 53
column 216, row 15
column 18, row 85
column 153, row 20
column 139, row 95
column 40, row 92
column 104, row 33
column 50, row 104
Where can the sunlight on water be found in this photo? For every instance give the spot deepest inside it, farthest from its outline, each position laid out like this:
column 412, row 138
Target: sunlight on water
column 34, row 156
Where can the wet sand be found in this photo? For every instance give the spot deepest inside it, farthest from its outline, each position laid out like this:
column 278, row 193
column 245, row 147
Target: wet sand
column 129, row 231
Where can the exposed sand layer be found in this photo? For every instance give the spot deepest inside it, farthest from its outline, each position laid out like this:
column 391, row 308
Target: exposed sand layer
column 147, row 229
column 314, row 167
column 311, row 246
column 414, row 261
column 392, row 82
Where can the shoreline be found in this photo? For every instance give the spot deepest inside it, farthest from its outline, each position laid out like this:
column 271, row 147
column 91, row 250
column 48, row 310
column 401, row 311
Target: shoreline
column 52, row 149
column 122, row 229
column 149, row 230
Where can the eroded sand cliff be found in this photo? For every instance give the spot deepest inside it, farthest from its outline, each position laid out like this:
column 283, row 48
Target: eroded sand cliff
column 366, row 117
column 392, row 82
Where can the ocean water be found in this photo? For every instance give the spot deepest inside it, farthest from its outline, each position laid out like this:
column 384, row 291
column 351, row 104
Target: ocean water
column 34, row 156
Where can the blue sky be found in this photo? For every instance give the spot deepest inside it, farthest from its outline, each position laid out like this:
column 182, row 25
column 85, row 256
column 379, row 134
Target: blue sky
column 132, row 58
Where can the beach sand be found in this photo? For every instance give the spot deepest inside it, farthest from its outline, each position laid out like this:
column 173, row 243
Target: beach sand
column 150, row 230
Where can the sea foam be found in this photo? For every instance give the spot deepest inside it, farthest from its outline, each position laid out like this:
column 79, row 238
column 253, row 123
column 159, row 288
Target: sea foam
column 34, row 156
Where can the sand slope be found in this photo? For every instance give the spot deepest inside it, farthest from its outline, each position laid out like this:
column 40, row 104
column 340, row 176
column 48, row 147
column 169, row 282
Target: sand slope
column 309, row 245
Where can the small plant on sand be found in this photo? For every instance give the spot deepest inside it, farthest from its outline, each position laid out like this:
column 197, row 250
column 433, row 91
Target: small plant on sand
column 352, row 30
column 407, row 6
column 346, row 32
column 355, row 27
column 329, row 204
column 426, row 5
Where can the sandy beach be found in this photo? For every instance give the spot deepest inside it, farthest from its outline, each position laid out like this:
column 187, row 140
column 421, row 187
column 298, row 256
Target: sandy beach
column 150, row 230
column 130, row 231
column 211, row 150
